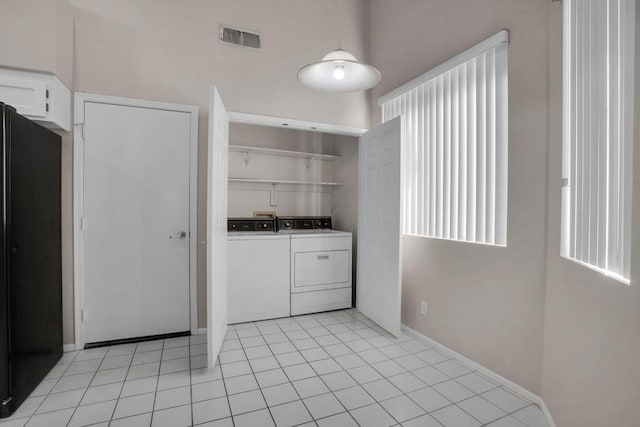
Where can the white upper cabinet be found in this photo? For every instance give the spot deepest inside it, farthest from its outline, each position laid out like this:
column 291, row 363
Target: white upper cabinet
column 38, row 96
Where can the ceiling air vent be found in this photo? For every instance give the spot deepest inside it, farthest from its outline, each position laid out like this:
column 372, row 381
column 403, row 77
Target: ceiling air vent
column 240, row 37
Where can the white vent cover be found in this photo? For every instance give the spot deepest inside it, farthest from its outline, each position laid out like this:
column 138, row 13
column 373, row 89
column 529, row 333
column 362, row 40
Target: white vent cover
column 239, row 37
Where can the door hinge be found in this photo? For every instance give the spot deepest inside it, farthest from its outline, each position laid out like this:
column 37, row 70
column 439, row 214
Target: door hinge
column 565, row 182
column 47, row 107
column 83, row 223
column 81, row 125
column 83, row 315
column 47, row 93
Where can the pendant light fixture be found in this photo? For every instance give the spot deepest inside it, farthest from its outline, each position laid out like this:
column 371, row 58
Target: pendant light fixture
column 339, row 71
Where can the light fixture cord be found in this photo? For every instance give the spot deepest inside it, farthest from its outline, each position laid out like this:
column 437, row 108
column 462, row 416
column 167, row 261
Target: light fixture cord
column 339, row 24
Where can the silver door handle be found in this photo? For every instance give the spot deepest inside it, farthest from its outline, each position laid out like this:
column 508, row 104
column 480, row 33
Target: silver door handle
column 180, row 235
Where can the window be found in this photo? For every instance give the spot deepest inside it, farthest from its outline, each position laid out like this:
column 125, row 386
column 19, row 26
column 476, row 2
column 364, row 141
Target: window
column 598, row 134
column 455, row 153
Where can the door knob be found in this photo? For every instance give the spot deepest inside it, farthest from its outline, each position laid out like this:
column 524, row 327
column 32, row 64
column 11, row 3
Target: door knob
column 180, row 235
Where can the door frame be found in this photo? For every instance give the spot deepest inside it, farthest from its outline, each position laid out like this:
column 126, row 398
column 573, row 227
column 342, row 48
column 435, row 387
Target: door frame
column 80, row 99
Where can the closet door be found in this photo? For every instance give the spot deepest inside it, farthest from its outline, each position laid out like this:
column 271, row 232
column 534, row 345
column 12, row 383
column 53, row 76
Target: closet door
column 136, row 212
column 217, row 180
column 379, row 227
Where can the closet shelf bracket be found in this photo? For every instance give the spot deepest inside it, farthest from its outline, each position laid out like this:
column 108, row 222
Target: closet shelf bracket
column 246, row 156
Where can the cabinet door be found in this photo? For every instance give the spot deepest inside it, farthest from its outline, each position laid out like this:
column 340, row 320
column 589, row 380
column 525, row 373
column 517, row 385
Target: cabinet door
column 27, row 96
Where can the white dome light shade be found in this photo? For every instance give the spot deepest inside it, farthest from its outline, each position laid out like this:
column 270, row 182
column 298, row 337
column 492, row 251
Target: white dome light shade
column 339, row 71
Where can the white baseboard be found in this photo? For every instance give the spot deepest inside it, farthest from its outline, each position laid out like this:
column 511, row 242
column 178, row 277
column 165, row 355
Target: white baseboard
column 487, row 372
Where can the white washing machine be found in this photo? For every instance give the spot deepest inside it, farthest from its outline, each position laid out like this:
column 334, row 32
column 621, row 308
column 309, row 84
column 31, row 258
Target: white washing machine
column 320, row 264
column 258, row 271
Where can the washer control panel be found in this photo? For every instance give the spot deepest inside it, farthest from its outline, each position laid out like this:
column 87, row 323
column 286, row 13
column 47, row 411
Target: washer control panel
column 251, row 224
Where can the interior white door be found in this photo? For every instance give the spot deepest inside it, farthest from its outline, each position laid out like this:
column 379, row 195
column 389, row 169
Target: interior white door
column 217, row 180
column 379, row 234
column 136, row 221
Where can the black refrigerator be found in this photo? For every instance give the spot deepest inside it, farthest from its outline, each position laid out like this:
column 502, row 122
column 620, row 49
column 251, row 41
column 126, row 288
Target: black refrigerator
column 30, row 257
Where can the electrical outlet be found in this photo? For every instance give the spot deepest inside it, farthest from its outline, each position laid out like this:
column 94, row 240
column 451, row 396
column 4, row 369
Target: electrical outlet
column 423, row 308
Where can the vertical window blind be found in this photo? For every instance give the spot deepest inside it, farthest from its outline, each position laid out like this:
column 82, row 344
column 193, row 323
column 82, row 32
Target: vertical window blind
column 598, row 134
column 455, row 147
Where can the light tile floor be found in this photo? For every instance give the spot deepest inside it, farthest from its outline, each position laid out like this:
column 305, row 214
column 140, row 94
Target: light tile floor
column 329, row 369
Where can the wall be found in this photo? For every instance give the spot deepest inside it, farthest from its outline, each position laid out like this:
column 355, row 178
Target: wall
column 244, row 199
column 591, row 359
column 484, row 302
column 28, row 34
column 345, row 198
column 168, row 51
column 38, row 35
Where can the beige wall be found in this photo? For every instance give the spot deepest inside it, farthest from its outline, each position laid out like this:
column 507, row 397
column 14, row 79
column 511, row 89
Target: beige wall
column 168, row 51
column 344, row 201
column 28, row 30
column 546, row 323
column 484, row 302
column 244, row 199
column 339, row 202
column 561, row 330
column 38, row 35
column 591, row 359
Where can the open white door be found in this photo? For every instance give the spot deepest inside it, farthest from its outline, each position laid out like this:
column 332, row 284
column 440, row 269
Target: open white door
column 379, row 233
column 217, row 176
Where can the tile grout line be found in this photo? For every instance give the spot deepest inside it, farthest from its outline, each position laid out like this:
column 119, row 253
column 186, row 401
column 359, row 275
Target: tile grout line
column 449, row 378
column 155, row 395
column 345, row 318
column 303, row 328
column 278, row 362
column 294, row 318
column 74, row 389
column 454, row 379
column 331, row 333
column 123, row 383
column 316, row 372
column 35, row 412
column 224, row 384
column 89, row 384
column 330, row 358
column 346, row 371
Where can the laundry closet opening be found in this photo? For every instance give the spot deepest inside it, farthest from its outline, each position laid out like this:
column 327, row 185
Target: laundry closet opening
column 284, row 173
